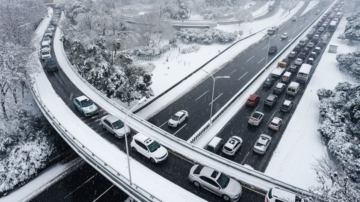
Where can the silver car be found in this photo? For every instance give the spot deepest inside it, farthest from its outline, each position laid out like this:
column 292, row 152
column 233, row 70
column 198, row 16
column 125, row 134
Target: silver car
column 85, row 105
column 115, row 126
column 232, row 145
column 216, row 182
column 262, row 144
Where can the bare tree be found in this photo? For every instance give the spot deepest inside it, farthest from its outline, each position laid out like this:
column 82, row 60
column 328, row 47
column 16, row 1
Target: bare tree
column 341, row 188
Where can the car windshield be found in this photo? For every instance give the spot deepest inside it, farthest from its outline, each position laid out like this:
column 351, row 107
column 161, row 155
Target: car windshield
column 45, row 52
column 118, row 124
column 223, row 180
column 175, row 118
column 153, row 146
column 86, row 103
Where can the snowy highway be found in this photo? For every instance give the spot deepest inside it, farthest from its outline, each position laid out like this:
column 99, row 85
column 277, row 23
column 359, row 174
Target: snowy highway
column 66, row 90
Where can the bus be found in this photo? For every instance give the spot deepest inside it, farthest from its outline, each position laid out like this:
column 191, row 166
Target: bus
column 332, row 26
column 304, row 73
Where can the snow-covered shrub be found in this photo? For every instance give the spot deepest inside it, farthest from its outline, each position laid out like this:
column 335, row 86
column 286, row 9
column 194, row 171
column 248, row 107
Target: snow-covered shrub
column 352, row 29
column 340, row 110
column 205, row 36
column 190, row 49
column 350, row 62
column 147, row 51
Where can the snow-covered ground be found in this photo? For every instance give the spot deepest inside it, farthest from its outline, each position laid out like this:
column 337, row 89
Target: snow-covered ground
column 42, row 181
column 263, row 9
column 311, row 5
column 301, row 143
column 167, row 73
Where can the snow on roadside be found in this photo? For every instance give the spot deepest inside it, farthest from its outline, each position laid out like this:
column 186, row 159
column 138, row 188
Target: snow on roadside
column 301, row 143
column 311, row 5
column 41, row 182
column 167, row 73
column 263, row 9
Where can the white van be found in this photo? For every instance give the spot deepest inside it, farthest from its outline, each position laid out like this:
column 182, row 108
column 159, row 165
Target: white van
column 215, row 145
column 303, row 41
column 293, row 88
column 276, row 194
column 338, row 15
column 304, row 73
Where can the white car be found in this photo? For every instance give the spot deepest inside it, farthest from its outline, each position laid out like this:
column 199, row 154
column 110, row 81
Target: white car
column 178, row 118
column 216, row 182
column 148, row 148
column 46, row 40
column 275, row 123
column 115, row 126
column 298, row 61
column 232, row 145
column 51, row 28
column 262, row 144
column 276, row 194
column 48, row 33
column 45, row 53
column 284, row 36
column 45, row 45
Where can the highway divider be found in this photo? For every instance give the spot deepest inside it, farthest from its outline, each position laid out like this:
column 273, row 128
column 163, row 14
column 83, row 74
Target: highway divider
column 207, row 125
column 243, row 174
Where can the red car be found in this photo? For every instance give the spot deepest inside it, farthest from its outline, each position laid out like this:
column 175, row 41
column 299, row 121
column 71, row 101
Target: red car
column 253, row 100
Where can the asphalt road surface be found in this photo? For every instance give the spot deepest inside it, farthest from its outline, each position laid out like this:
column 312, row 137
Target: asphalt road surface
column 241, row 70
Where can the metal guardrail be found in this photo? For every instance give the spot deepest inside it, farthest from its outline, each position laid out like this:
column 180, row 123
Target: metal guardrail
column 135, row 191
column 207, row 125
column 206, row 154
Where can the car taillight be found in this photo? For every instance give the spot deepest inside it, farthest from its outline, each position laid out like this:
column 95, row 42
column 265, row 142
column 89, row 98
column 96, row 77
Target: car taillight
column 267, row 200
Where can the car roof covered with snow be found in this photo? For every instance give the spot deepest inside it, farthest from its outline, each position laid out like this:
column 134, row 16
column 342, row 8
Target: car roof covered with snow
column 276, row 120
column 232, row 142
column 82, row 98
column 287, row 102
column 280, row 85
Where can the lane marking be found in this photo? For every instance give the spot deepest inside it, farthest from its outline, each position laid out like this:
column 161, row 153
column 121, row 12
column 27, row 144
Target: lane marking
column 215, row 99
column 261, row 60
column 232, row 72
column 179, row 129
column 103, row 193
column 80, row 185
column 71, row 95
column 250, row 59
column 244, row 158
column 61, row 82
column 163, row 124
column 242, row 76
column 265, row 47
column 201, row 95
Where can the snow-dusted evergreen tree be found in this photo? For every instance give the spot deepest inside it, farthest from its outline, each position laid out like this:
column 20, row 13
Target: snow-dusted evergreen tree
column 335, row 184
column 176, row 9
column 340, row 125
column 352, row 29
column 350, row 62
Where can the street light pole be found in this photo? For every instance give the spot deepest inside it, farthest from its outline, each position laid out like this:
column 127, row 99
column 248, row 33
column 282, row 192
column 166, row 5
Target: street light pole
column 126, row 142
column 212, row 95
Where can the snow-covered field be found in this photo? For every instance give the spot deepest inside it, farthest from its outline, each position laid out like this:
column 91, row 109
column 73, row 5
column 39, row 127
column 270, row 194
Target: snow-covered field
column 311, row 5
column 167, row 73
column 301, row 144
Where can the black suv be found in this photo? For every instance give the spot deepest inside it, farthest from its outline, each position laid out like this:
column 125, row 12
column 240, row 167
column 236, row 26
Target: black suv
column 51, row 65
column 286, row 106
column 272, row 49
column 271, row 100
column 268, row 82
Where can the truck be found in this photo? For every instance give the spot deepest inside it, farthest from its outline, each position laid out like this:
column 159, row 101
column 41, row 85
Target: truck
column 332, row 26
column 272, row 30
column 280, row 68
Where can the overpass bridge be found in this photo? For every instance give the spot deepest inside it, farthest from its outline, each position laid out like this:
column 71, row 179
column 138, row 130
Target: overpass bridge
column 109, row 159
